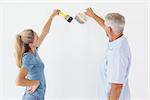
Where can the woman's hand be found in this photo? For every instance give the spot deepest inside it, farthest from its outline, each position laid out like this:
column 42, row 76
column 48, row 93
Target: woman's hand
column 32, row 89
column 55, row 12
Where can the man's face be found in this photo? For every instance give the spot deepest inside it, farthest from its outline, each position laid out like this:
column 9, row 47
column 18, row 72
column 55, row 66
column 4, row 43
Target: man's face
column 107, row 34
column 107, row 30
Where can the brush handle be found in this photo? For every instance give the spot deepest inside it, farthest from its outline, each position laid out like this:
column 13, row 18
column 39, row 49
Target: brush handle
column 66, row 16
column 63, row 14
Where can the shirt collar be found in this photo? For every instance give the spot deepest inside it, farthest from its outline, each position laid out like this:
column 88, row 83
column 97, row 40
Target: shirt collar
column 115, row 43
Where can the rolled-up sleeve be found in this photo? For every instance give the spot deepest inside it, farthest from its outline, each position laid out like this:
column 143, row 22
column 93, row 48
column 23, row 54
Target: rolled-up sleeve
column 118, row 68
column 28, row 61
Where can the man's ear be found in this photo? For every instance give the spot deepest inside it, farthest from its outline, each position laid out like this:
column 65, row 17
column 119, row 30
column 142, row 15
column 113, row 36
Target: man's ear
column 109, row 30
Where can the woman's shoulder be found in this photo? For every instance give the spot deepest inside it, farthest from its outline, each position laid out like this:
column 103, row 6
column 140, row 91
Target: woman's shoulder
column 28, row 55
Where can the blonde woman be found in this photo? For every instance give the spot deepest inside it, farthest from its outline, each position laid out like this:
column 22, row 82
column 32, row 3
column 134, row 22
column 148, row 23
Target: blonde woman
column 31, row 73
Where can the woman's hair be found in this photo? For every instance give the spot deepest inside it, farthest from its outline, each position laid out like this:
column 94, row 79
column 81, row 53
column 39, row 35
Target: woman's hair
column 22, row 41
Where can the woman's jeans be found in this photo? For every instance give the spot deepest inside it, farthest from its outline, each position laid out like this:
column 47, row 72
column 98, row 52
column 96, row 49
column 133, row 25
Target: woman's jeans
column 32, row 97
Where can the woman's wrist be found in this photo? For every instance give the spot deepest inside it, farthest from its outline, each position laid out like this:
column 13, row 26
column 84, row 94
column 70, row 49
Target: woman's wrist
column 52, row 16
column 36, row 82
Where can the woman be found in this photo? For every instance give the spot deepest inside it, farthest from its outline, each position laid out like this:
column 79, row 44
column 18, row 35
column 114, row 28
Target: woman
column 31, row 73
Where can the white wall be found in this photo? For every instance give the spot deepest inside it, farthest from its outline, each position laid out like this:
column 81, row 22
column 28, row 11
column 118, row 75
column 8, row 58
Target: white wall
column 71, row 51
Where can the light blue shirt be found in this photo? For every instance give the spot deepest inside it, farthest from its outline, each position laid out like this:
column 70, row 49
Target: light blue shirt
column 35, row 68
column 115, row 68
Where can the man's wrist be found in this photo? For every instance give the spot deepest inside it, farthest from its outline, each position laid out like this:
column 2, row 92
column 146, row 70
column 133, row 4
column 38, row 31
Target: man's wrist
column 93, row 15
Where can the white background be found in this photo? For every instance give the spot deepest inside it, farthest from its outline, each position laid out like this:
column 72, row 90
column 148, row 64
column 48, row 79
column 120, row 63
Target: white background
column 71, row 52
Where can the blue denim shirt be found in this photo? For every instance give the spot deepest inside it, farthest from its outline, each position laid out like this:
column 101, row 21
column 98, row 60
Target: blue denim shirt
column 35, row 68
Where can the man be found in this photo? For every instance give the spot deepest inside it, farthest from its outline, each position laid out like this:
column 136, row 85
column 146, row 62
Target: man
column 116, row 64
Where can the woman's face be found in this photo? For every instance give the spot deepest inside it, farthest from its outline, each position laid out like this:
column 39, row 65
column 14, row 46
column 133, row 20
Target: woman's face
column 35, row 41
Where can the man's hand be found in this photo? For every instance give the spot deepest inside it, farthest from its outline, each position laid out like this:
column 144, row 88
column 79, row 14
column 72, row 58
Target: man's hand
column 115, row 91
column 33, row 88
column 90, row 12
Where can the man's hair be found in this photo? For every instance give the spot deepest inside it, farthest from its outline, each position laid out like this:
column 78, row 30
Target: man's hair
column 116, row 21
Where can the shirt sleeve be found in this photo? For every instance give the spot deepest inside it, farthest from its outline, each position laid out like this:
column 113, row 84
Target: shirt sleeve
column 28, row 61
column 118, row 68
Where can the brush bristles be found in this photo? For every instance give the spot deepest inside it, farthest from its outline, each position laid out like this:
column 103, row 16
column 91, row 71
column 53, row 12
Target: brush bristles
column 81, row 18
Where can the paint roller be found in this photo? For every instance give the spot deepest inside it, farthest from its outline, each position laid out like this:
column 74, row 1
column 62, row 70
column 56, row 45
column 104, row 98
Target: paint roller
column 66, row 16
column 81, row 17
